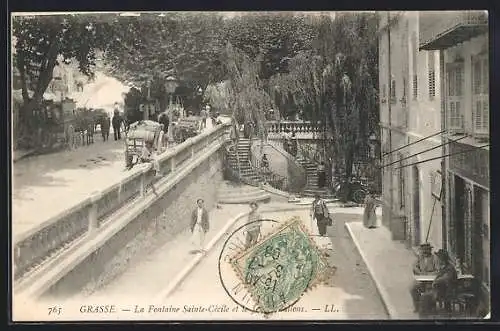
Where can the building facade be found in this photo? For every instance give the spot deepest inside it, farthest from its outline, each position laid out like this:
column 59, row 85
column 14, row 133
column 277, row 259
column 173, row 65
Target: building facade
column 463, row 42
column 410, row 116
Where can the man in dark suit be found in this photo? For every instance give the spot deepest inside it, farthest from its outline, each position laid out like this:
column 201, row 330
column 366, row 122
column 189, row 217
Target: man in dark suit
column 199, row 226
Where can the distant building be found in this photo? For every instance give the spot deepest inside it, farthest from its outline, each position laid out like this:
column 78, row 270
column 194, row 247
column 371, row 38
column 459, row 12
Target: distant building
column 409, row 113
column 462, row 39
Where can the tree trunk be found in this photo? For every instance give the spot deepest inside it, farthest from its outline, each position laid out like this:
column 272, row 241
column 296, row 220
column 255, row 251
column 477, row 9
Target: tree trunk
column 44, row 79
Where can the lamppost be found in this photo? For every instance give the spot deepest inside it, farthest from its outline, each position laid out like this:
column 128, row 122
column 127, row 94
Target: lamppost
column 170, row 86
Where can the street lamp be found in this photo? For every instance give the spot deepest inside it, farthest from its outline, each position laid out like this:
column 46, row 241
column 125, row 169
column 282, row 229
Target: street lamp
column 170, row 86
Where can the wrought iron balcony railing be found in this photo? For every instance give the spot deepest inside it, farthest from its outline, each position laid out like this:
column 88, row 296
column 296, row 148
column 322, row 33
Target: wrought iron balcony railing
column 444, row 29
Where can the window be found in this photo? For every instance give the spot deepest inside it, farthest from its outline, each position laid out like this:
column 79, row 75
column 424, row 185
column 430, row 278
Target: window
column 393, row 91
column 414, row 50
column 454, row 96
column 431, row 74
column 480, row 92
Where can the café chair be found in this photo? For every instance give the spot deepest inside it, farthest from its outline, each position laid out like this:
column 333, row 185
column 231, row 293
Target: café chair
column 467, row 295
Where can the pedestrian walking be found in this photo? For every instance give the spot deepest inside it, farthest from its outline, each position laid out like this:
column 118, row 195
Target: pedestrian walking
column 203, row 115
column 369, row 216
column 321, row 175
column 286, row 141
column 117, row 123
column 319, row 211
column 105, row 125
column 234, row 134
column 165, row 122
column 199, row 226
column 293, row 145
column 253, row 227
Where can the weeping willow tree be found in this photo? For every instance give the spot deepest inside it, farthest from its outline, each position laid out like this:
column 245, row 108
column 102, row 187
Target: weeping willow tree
column 246, row 95
column 335, row 84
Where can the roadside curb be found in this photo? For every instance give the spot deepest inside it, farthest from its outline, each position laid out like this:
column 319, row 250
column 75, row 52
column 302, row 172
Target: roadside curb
column 381, row 290
column 194, row 262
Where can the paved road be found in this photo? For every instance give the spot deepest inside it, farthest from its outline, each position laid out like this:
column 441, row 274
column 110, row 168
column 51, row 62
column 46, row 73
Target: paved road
column 45, row 185
column 353, row 292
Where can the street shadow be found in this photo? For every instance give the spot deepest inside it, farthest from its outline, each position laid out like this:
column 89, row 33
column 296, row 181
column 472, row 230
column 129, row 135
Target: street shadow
column 21, row 191
column 42, row 170
column 352, row 276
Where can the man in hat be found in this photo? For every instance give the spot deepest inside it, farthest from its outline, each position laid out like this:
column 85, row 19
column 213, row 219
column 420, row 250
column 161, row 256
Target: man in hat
column 426, row 264
column 319, row 211
column 443, row 284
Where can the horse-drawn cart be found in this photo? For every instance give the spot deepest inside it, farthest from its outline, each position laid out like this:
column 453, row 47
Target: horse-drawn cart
column 140, row 133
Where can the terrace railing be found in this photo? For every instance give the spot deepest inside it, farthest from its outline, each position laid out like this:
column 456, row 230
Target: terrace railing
column 39, row 244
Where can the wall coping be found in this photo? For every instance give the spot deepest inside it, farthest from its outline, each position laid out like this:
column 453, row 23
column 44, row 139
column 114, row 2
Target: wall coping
column 48, row 274
column 135, row 172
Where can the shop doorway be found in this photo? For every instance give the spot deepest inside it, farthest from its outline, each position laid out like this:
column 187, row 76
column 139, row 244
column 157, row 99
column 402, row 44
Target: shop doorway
column 481, row 240
column 459, row 217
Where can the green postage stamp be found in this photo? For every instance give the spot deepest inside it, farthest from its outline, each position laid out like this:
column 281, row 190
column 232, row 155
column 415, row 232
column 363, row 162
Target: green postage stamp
column 279, row 269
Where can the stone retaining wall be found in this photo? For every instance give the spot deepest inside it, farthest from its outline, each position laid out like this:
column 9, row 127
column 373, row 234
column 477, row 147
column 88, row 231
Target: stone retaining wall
column 168, row 216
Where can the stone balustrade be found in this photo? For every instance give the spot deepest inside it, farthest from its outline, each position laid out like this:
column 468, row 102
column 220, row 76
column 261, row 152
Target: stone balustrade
column 33, row 247
column 300, row 128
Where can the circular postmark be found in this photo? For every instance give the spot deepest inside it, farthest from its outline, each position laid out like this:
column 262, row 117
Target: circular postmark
column 270, row 274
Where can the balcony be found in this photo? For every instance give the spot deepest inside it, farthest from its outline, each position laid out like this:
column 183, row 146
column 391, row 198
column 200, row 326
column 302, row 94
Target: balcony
column 441, row 30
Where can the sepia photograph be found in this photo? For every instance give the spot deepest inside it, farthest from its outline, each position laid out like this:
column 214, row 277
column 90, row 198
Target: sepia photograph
column 257, row 166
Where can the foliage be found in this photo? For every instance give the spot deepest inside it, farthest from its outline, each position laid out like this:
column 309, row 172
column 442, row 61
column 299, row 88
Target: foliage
column 185, row 45
column 42, row 42
column 247, row 97
column 217, row 95
column 274, row 37
column 335, row 83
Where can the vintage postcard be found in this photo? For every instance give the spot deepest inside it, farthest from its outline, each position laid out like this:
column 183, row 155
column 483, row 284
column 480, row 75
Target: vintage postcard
column 180, row 166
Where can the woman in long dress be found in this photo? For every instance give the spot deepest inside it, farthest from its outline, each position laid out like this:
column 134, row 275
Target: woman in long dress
column 369, row 216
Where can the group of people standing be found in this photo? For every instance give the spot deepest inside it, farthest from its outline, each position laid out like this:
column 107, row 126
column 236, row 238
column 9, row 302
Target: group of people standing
column 209, row 119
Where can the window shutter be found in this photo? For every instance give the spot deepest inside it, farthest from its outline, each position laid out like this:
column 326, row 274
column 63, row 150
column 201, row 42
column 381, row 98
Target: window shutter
column 415, row 65
column 431, row 74
column 480, row 96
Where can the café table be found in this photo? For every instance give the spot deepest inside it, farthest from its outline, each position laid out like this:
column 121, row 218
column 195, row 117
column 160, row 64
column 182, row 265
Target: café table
column 426, row 280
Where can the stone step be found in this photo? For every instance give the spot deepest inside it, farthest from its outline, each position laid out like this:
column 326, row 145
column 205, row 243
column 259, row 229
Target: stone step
column 235, row 188
column 260, row 196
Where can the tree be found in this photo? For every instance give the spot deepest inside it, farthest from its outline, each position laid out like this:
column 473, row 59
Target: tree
column 274, row 37
column 335, row 83
column 185, row 45
column 246, row 95
column 42, row 42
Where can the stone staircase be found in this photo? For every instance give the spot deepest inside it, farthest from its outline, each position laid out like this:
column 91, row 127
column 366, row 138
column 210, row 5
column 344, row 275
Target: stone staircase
column 248, row 174
column 235, row 193
column 312, row 181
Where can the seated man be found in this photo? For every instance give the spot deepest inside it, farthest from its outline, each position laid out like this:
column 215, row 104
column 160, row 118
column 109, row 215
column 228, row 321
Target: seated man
column 426, row 264
column 444, row 283
column 148, row 155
